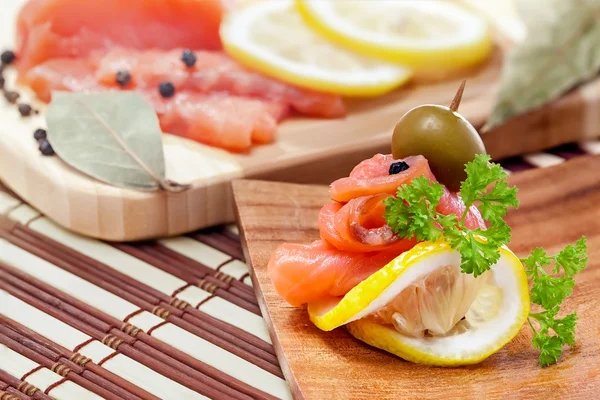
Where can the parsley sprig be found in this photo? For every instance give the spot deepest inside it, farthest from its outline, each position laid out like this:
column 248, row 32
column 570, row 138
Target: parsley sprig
column 413, row 214
column 548, row 291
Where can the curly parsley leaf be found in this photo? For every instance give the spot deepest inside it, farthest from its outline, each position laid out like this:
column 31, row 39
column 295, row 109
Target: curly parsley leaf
column 550, row 292
column 477, row 252
column 551, row 345
column 536, row 260
column 572, row 259
column 486, row 184
column 412, row 212
column 550, row 348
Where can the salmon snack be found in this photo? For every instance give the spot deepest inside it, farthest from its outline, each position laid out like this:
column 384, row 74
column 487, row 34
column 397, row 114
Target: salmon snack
column 407, row 263
column 355, row 239
column 170, row 52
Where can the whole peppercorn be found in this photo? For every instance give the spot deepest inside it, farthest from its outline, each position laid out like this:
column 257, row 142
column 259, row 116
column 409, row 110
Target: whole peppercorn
column 166, row 89
column 123, row 78
column 39, row 134
column 7, row 57
column 398, row 167
column 11, row 96
column 189, row 58
column 25, row 109
column 46, row 148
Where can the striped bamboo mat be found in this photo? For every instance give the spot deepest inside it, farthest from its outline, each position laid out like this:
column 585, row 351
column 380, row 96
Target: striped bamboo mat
column 169, row 319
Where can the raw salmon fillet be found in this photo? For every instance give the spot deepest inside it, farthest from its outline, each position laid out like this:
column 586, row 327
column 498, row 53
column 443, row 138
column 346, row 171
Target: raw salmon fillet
column 48, row 29
column 206, row 118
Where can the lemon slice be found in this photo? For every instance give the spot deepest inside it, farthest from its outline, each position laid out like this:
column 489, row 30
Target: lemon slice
column 272, row 38
column 422, row 308
column 420, row 34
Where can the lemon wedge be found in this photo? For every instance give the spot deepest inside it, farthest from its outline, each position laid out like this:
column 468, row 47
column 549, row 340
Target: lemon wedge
column 272, row 37
column 420, row 34
column 422, row 308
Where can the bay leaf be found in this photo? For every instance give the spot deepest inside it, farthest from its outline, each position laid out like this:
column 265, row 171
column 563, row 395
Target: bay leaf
column 114, row 137
column 561, row 50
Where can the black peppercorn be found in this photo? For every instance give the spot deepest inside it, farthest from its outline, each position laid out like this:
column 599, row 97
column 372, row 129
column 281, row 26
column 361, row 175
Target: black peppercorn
column 39, row 134
column 7, row 57
column 166, row 89
column 11, row 96
column 25, row 109
column 46, row 148
column 189, row 58
column 123, row 78
column 398, row 167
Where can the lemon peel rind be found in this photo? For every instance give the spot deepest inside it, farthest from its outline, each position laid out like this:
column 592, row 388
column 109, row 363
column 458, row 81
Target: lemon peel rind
column 462, row 56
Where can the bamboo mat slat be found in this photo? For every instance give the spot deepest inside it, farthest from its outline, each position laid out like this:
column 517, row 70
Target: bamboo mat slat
column 170, row 319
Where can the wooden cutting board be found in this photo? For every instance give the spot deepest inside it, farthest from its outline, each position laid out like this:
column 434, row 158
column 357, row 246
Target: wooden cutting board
column 558, row 205
column 308, row 150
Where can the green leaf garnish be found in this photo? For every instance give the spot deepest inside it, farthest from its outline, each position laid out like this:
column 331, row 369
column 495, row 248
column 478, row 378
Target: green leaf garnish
column 413, row 214
column 549, row 291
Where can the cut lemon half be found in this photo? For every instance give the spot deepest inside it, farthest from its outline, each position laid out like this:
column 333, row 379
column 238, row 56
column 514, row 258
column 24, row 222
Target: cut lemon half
column 272, row 38
column 420, row 34
column 422, row 308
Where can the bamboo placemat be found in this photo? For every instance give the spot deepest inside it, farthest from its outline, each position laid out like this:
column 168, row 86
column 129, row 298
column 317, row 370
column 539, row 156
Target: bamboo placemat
column 170, row 319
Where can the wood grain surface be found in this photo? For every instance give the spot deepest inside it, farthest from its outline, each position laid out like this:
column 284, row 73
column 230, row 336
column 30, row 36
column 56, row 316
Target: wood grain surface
column 558, row 205
column 307, row 150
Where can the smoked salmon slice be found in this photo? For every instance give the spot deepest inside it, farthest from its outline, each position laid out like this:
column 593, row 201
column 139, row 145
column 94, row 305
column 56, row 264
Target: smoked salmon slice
column 304, row 273
column 48, row 29
column 73, row 75
column 358, row 226
column 231, row 108
column 206, row 118
column 213, row 72
column 372, row 177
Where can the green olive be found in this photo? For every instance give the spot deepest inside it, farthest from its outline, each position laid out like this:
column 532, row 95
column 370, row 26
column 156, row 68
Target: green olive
column 441, row 135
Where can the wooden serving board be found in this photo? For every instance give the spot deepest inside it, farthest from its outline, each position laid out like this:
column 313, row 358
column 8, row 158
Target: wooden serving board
column 558, row 205
column 307, row 150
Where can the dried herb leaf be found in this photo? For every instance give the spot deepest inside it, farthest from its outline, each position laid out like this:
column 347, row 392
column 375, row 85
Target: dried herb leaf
column 112, row 136
column 562, row 49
